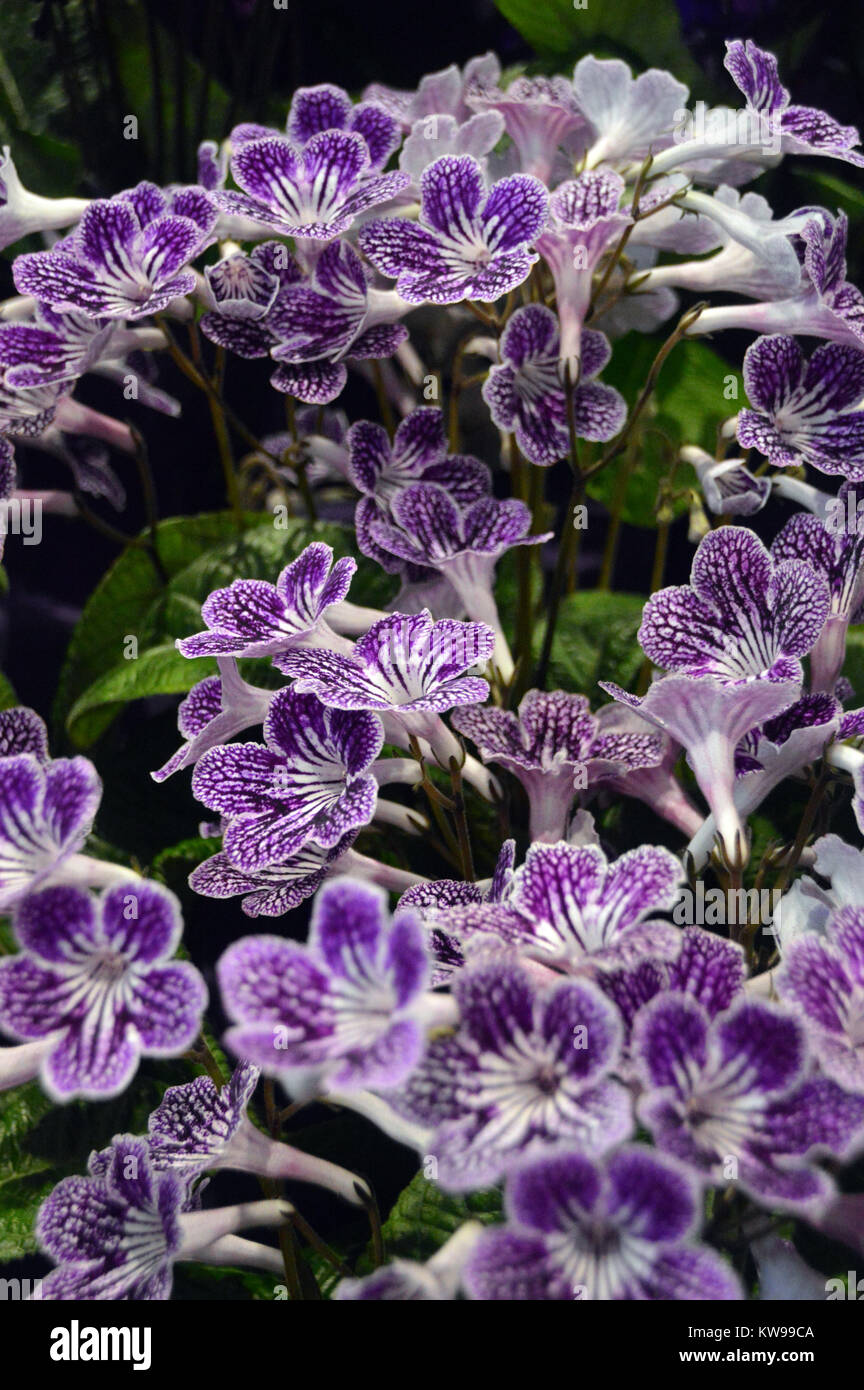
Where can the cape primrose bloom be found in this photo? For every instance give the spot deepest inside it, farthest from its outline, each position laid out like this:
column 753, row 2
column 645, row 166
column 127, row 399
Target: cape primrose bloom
column 118, row 1235
column 314, row 191
column 621, row 1228
column 46, row 813
column 570, row 909
column 555, row 747
column 95, row 980
column 528, row 1067
column 344, row 1011
column 310, row 781
column 805, row 412
column 198, row 1128
column 127, row 257
column 469, row 243
column 254, row 618
column 822, row 975
column 731, row 1097
column 526, row 395
column 742, row 615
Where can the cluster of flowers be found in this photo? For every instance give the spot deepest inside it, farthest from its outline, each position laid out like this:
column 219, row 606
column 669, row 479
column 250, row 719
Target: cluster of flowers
column 520, row 1029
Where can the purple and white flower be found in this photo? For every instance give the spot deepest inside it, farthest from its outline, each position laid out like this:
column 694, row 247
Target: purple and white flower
column 732, row 1097
column 570, row 910
column 468, row 244
column 527, row 1067
column 805, row 411
column 310, row 781
column 94, row 979
column 539, row 114
column 629, row 116
column 743, row 616
column 198, row 1128
column 344, row 1012
column 462, row 543
column 46, row 814
column 314, row 191
column 620, row 1228
column 128, row 256
column 438, row 1280
column 380, row 470
column 254, row 618
column 584, row 222
column 555, row 748
column 118, row 1235
column 822, row 976
column 525, row 394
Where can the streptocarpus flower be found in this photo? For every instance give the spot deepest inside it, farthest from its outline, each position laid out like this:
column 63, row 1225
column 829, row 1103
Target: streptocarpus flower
column 526, row 394
column 345, row 1011
column 198, row 1129
column 52, row 347
column 463, row 544
column 527, row 1067
column 805, row 411
column 469, row 243
column 539, row 114
column 743, row 615
column 838, row 555
column 314, row 191
column 118, row 1236
column 584, row 221
column 95, row 976
column 327, row 107
column 337, row 315
column 311, row 781
column 729, row 488
column 731, row 1097
column 245, row 292
column 128, row 257
column 555, row 748
column 214, row 711
column 46, row 814
column 273, row 891
column 822, row 977
column 380, row 470
column 405, row 663
column 629, row 116
column 803, row 129
column 779, row 748
column 620, row 1228
column 709, row 718
column 439, row 1279
column 254, row 618
column 825, row 304
column 570, row 909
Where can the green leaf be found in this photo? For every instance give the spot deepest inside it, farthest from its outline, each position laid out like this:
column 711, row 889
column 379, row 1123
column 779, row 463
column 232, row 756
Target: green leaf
column 424, row 1217
column 8, row 698
column 595, row 639
column 560, row 29
column 695, row 391
column 199, row 554
column 157, row 671
column 119, row 605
